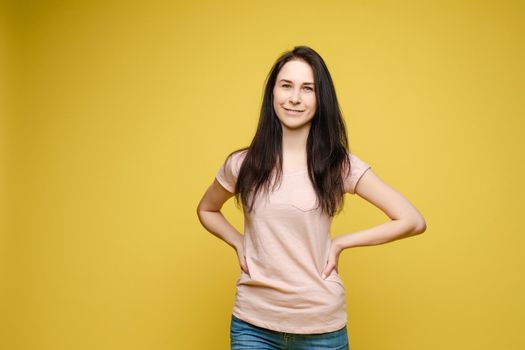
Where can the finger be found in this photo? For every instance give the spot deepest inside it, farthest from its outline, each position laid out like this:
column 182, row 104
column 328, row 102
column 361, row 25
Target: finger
column 327, row 270
column 246, row 265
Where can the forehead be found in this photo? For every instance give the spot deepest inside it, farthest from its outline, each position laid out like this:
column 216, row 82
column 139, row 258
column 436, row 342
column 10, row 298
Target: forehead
column 297, row 71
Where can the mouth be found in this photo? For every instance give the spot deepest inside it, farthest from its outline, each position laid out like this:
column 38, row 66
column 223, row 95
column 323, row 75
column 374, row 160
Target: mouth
column 294, row 110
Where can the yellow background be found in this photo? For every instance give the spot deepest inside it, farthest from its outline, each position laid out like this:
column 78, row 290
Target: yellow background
column 116, row 116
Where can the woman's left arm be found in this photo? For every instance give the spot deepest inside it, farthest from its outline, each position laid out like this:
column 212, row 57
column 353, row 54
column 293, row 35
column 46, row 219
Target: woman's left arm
column 406, row 220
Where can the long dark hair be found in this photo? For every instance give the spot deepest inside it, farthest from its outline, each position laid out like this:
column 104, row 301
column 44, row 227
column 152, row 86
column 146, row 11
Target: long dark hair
column 327, row 143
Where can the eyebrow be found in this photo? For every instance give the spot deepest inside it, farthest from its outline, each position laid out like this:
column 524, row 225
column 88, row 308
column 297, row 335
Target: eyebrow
column 289, row 81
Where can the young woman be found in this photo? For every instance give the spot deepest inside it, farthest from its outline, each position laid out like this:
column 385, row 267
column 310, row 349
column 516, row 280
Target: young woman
column 291, row 182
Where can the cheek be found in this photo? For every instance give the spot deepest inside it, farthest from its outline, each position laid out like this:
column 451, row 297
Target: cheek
column 313, row 103
column 275, row 102
column 276, row 97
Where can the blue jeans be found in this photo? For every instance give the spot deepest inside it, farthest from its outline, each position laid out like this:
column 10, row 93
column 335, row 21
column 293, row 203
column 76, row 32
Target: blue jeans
column 245, row 336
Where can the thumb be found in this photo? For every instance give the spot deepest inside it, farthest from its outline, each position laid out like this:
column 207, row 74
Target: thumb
column 246, row 265
column 327, row 271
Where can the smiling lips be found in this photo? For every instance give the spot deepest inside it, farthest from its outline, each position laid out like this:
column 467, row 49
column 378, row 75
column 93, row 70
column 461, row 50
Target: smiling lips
column 293, row 110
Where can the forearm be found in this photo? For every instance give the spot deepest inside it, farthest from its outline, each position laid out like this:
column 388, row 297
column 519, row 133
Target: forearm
column 380, row 234
column 215, row 223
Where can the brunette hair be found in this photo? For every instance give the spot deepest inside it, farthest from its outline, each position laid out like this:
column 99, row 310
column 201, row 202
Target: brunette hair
column 327, row 143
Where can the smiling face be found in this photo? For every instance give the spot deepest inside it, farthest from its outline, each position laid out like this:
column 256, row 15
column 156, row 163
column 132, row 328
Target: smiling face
column 294, row 98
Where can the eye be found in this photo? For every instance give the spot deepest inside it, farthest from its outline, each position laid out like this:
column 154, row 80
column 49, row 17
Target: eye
column 309, row 88
column 286, row 85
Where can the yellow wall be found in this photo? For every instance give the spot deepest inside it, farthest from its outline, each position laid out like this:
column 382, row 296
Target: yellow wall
column 5, row 119
column 126, row 109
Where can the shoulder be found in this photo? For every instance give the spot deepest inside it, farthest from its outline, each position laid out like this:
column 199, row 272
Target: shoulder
column 353, row 161
column 229, row 170
column 239, row 155
column 236, row 158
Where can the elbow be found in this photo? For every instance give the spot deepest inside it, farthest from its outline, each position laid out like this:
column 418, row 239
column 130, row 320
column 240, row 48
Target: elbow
column 199, row 211
column 201, row 216
column 202, row 213
column 419, row 226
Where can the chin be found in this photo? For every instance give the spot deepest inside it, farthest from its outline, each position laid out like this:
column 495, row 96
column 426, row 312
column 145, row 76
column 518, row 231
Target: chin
column 298, row 125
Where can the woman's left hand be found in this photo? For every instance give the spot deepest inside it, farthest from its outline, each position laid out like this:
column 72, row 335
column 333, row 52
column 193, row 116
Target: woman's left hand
column 333, row 257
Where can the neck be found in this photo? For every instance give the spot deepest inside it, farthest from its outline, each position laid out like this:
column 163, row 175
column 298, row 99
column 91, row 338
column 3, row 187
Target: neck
column 294, row 146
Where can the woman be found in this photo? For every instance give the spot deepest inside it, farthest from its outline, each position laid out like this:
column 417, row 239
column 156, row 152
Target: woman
column 291, row 182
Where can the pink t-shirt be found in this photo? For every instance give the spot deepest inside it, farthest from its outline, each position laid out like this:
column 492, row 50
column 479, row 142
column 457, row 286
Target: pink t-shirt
column 287, row 241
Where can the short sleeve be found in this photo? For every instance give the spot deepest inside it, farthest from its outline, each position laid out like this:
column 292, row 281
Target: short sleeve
column 357, row 168
column 229, row 170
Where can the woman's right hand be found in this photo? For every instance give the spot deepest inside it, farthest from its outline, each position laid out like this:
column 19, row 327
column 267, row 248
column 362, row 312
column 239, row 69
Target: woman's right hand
column 242, row 258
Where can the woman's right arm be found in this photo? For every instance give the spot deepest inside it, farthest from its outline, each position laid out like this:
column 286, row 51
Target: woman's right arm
column 210, row 216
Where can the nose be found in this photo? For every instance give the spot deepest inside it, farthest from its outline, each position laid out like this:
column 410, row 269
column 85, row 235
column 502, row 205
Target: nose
column 295, row 98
